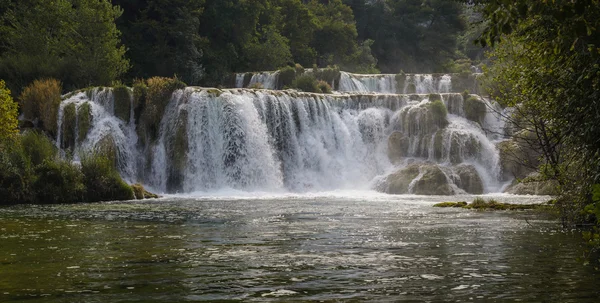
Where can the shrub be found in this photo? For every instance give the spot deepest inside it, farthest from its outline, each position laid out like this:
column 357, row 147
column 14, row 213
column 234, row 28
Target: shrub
column 329, row 74
column 15, row 175
column 37, row 147
column 286, row 76
column 324, row 87
column 68, row 126
column 41, row 100
column 306, row 83
column 58, row 182
column 8, row 114
column 84, row 120
column 102, row 180
column 256, row 85
column 122, row 101
column 141, row 193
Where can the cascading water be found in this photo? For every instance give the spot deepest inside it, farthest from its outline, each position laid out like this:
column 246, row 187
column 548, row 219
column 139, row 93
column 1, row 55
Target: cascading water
column 260, row 140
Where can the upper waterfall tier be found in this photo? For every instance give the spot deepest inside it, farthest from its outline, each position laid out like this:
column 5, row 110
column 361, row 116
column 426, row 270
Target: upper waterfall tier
column 375, row 83
column 209, row 139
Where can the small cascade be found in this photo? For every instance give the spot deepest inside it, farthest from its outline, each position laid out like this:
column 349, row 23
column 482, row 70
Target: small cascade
column 268, row 80
column 239, row 80
column 384, row 83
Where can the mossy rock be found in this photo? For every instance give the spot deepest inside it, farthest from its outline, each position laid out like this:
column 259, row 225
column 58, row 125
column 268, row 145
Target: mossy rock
column 451, row 204
column 84, row 120
column 398, row 182
column 439, row 113
column 158, row 96
column 469, row 180
column 533, row 184
column 432, row 182
column 68, row 127
column 435, row 97
column 411, row 89
column 286, row 76
column 475, row 109
column 122, row 102
column 516, row 161
column 247, row 79
column 398, row 145
column 141, row 193
column 177, row 151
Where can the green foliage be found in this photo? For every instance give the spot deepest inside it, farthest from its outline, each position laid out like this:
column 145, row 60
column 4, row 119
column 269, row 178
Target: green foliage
column 8, row 114
column 491, row 204
column 141, row 193
column 41, row 101
column 82, row 49
column 122, row 104
column 58, row 181
column 37, row 147
column 15, row 174
column 329, row 74
column 102, row 180
column 306, row 83
column 268, row 50
column 450, row 204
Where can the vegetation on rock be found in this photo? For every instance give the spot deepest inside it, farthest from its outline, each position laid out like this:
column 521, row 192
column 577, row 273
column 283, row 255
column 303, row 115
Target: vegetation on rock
column 40, row 100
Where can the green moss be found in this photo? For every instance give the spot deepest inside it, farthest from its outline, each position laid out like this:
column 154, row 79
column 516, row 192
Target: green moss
column 158, row 94
column 214, row 92
column 122, row 102
column 439, row 112
column 286, row 76
column 435, row 97
column 411, row 89
column 450, row 204
column 68, row 127
column 84, row 120
column 475, row 109
column 177, row 152
column 438, row 144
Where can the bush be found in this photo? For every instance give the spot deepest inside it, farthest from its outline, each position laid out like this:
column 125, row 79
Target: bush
column 102, row 180
column 329, row 74
column 286, row 76
column 41, row 101
column 15, row 175
column 306, row 83
column 299, row 69
column 324, row 87
column 58, row 182
column 122, row 101
column 256, row 85
column 37, row 148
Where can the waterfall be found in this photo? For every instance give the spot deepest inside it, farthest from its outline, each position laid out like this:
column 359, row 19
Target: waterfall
column 264, row 140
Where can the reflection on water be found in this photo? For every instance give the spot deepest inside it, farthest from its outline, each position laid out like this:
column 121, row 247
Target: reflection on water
column 329, row 247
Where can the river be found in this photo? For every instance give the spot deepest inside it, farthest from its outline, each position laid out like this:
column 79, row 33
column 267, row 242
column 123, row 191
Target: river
column 337, row 246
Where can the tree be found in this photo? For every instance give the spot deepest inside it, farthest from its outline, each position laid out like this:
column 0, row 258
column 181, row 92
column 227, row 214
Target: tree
column 72, row 40
column 8, row 114
column 163, row 38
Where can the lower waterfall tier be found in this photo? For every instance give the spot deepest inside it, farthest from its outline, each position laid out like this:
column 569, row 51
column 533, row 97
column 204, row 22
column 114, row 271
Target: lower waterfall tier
column 260, row 140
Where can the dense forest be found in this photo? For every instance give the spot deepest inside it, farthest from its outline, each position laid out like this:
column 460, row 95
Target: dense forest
column 204, row 41
column 543, row 60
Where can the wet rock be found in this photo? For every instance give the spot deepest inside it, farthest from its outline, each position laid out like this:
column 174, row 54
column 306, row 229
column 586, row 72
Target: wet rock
column 468, row 179
column 475, row 109
column 397, row 146
column 533, row 185
column 398, row 182
column 432, row 182
column 516, row 159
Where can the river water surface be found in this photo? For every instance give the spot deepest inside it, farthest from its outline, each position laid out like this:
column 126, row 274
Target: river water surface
column 350, row 246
